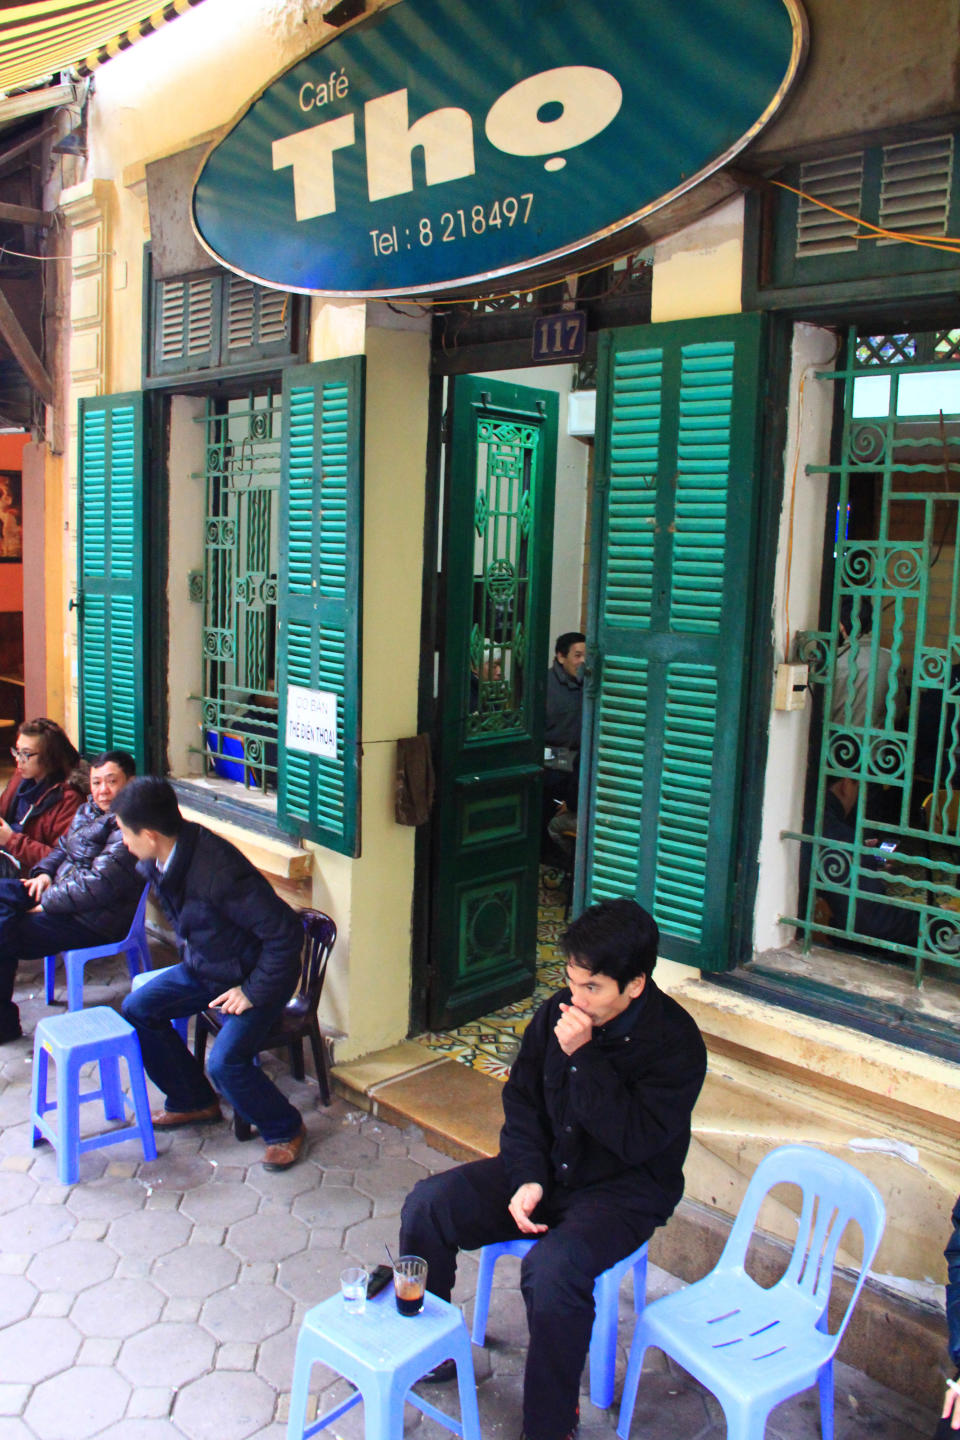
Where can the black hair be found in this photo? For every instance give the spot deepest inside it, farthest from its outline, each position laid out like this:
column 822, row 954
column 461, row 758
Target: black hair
column 568, row 638
column 865, row 615
column 121, row 758
column 614, row 937
column 148, row 803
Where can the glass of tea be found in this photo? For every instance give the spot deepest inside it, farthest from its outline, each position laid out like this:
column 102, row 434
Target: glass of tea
column 409, row 1283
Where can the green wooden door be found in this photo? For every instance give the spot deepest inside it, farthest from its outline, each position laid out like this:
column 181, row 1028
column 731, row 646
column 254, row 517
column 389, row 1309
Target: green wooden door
column 675, row 519
column 110, row 576
column 495, row 598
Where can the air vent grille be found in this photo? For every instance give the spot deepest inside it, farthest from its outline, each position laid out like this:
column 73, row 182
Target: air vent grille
column 837, row 182
column 915, row 186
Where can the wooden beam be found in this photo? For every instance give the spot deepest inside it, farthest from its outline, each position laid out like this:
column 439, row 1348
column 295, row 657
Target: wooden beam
column 16, row 152
column 25, row 215
column 23, row 352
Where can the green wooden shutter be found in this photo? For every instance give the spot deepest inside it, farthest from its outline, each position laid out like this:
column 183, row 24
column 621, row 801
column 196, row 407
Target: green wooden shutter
column 110, row 576
column 320, row 591
column 675, row 517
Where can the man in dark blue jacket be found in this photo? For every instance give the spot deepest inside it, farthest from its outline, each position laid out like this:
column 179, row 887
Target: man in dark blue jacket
column 240, row 948
column 84, row 892
column 596, row 1129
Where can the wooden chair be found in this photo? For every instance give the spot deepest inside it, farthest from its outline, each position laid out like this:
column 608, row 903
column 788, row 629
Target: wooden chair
column 299, row 1018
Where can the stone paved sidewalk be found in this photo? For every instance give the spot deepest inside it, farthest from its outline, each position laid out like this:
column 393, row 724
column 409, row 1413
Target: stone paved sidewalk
column 159, row 1300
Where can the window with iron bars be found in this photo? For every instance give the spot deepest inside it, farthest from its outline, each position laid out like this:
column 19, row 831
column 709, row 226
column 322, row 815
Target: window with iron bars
column 883, row 840
column 239, row 588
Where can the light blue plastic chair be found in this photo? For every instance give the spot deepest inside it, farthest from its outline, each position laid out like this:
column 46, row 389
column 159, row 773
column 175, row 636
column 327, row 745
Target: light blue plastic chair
column 606, row 1300
column 751, row 1346
column 383, row 1353
column 133, row 945
column 102, row 1037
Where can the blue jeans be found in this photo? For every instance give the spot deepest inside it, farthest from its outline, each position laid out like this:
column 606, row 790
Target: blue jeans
column 174, row 1070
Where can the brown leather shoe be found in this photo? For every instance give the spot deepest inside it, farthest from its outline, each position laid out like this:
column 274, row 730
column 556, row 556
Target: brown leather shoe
column 285, row 1153
column 175, row 1119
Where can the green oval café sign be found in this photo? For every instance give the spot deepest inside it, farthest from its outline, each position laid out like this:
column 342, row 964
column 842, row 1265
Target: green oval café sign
column 444, row 142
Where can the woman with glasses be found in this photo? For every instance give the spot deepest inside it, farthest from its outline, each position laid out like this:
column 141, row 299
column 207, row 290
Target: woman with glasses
column 41, row 798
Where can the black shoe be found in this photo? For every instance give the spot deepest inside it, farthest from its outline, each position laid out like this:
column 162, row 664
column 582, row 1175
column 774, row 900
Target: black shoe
column 440, row 1374
column 8, row 1036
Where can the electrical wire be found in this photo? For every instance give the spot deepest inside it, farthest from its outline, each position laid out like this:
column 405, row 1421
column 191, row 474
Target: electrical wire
column 950, row 243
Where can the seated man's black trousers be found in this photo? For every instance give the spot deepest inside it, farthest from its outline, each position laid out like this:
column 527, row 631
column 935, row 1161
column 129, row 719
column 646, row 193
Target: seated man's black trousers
column 590, row 1230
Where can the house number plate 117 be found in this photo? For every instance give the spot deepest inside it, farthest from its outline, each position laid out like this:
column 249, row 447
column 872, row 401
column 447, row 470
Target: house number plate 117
column 560, row 337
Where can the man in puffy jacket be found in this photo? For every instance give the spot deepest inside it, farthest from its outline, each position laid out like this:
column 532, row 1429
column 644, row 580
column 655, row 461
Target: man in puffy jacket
column 596, row 1128
column 240, row 947
column 83, row 892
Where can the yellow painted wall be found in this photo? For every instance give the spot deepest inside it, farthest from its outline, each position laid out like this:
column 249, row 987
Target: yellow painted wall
column 698, row 271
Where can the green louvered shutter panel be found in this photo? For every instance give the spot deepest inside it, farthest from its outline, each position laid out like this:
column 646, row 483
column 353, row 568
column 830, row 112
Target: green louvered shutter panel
column 677, row 485
column 110, row 576
column 320, row 592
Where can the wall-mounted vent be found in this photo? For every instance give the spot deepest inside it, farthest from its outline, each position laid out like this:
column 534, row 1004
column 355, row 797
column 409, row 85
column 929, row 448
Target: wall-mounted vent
column 915, row 186
column 186, row 318
column 837, row 182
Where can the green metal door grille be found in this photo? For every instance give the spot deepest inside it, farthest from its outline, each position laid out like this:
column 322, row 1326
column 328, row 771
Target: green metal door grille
column 240, row 588
column 890, row 694
column 506, row 461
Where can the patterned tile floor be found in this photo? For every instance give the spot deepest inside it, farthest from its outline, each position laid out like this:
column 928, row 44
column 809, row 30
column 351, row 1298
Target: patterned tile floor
column 490, row 1043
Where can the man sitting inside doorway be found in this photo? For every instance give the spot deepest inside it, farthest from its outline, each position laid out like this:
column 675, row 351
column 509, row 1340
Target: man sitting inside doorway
column 596, row 1129
column 84, row 892
column 561, row 736
column 873, row 919
column 240, row 948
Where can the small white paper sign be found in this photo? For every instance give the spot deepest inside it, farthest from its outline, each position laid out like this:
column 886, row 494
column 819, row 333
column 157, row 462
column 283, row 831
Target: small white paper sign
column 312, row 721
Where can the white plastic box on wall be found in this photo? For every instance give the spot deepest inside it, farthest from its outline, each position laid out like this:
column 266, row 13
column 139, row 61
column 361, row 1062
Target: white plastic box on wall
column 582, row 412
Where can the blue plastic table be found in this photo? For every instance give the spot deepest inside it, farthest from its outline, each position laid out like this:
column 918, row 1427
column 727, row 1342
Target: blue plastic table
column 383, row 1353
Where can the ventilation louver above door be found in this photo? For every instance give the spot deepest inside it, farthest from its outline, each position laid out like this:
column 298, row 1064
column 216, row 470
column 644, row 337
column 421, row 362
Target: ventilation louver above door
column 837, row 182
column 915, row 186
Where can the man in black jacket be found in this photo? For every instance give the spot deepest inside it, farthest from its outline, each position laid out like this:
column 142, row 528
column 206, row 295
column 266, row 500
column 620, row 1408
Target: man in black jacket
column 240, row 948
column 596, row 1128
column 85, row 892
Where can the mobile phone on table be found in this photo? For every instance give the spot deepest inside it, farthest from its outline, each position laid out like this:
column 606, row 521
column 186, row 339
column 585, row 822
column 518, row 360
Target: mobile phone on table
column 379, row 1280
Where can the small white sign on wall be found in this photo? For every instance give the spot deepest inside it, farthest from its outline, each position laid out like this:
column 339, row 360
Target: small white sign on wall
column 312, row 721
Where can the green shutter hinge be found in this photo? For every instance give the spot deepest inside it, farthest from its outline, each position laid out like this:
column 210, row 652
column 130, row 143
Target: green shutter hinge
column 593, row 672
column 196, row 589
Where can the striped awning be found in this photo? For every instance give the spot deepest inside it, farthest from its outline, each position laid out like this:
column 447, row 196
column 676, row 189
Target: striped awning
column 40, row 39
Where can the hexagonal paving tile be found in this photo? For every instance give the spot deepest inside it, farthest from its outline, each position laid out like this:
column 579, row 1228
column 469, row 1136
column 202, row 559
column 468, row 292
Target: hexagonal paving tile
column 391, row 1180
column 77, row 1404
column 246, row 1312
column 313, row 1275
column 34, row 1227
column 148, row 1233
column 36, row 1348
column 224, row 1406
column 195, row 1269
column 271, row 1235
column 16, row 1189
column 107, row 1198
column 177, row 1168
column 332, row 1207
column 117, row 1308
column 280, row 1187
column 220, row 1204
column 72, row 1265
column 169, row 1354
column 17, row 1299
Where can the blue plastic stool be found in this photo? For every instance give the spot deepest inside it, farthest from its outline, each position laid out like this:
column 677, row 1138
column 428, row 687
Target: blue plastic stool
column 144, row 978
column 72, row 1040
column 133, row 945
column 606, row 1299
column 383, row 1353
